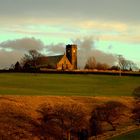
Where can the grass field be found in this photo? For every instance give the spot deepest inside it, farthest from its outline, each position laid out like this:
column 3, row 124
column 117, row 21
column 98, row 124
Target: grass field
column 67, row 84
column 133, row 135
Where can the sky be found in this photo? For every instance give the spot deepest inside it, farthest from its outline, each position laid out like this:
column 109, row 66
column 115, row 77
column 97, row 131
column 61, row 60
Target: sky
column 101, row 28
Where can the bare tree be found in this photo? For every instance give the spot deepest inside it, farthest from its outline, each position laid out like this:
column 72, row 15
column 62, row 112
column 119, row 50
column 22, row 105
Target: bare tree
column 109, row 112
column 102, row 66
column 31, row 59
column 131, row 65
column 91, row 63
column 122, row 62
column 115, row 68
column 17, row 67
column 48, row 123
column 62, row 119
column 136, row 93
column 125, row 64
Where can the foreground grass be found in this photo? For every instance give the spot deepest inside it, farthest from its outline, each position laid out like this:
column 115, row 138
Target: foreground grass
column 133, row 135
column 67, row 84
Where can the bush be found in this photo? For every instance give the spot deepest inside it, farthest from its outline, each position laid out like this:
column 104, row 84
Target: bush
column 61, row 120
column 109, row 112
column 15, row 124
column 136, row 93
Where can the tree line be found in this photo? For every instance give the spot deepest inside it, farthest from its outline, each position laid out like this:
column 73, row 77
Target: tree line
column 31, row 61
column 123, row 64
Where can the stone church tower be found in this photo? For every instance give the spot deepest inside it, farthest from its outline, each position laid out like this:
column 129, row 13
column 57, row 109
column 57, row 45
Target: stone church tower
column 71, row 53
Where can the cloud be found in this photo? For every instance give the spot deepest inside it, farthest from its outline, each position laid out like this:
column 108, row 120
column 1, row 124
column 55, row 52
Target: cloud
column 12, row 51
column 104, row 25
column 115, row 10
column 23, row 44
column 55, row 49
column 66, row 28
column 8, row 58
column 124, row 38
column 87, row 48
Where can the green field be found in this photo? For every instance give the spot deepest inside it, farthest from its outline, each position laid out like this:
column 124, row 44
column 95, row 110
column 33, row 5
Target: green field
column 133, row 135
column 67, row 84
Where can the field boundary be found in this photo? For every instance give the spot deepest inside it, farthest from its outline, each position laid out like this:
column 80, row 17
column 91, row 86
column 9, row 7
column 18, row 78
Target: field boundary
column 116, row 73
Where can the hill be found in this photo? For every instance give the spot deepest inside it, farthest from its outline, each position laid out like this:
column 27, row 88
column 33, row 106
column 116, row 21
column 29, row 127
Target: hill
column 67, row 84
column 20, row 118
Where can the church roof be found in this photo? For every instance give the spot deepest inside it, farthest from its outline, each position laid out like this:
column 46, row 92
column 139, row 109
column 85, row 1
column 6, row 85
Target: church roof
column 50, row 60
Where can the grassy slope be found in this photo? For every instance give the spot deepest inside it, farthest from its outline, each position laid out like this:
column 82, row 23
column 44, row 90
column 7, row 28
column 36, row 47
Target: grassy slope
column 67, row 84
column 134, row 135
column 30, row 105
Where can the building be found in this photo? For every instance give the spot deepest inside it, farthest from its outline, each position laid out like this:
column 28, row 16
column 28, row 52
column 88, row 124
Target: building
column 68, row 61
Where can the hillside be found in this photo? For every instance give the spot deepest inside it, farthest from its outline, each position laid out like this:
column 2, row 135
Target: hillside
column 67, row 84
column 20, row 116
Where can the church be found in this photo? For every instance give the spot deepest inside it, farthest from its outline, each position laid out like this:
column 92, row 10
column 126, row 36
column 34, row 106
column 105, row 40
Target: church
column 68, row 61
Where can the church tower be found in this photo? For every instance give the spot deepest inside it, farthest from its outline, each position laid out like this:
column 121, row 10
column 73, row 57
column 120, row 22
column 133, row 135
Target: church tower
column 71, row 53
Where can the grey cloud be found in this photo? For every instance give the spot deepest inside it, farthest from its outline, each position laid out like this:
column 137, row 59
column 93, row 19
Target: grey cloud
column 55, row 49
column 120, row 10
column 9, row 58
column 19, row 47
column 88, row 49
column 23, row 44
